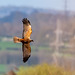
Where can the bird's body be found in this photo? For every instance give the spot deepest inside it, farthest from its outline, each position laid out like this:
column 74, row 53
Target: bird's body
column 25, row 39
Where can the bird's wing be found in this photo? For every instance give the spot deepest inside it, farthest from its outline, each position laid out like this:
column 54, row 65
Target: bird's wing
column 26, row 51
column 27, row 32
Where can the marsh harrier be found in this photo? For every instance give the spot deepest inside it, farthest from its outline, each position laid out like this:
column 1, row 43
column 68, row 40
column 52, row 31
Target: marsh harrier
column 25, row 40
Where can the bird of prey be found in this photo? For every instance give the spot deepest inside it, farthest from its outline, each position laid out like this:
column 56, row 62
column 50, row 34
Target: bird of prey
column 25, row 40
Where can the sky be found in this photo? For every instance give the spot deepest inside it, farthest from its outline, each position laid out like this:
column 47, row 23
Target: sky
column 46, row 4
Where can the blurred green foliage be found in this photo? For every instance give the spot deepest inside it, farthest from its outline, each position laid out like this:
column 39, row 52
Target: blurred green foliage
column 2, row 68
column 6, row 45
column 43, row 69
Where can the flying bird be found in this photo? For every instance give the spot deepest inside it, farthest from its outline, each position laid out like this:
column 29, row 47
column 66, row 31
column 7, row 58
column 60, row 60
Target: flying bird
column 25, row 40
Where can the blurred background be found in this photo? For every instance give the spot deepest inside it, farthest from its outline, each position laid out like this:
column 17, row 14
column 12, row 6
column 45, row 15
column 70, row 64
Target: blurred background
column 53, row 26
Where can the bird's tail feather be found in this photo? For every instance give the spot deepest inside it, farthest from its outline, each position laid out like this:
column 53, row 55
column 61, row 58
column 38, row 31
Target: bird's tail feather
column 16, row 40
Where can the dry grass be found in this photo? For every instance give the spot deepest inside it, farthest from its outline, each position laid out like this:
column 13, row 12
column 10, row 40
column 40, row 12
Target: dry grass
column 44, row 69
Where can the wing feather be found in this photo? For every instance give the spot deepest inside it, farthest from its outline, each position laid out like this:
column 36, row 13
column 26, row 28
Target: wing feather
column 26, row 51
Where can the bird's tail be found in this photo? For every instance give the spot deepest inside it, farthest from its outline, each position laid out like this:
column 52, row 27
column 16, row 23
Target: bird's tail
column 16, row 40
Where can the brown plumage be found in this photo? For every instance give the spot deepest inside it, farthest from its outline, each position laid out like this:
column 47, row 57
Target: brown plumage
column 25, row 39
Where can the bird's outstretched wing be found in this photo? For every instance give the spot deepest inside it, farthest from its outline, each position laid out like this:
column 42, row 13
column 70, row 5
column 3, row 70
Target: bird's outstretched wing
column 27, row 30
column 26, row 51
